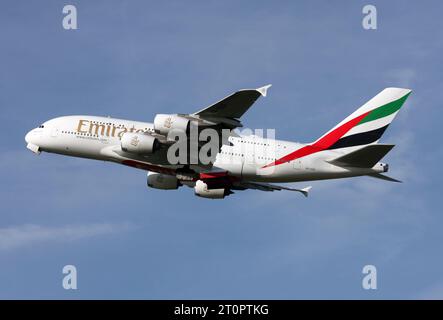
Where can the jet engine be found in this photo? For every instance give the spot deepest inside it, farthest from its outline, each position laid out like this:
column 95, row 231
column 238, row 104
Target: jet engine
column 201, row 190
column 139, row 143
column 162, row 181
column 163, row 123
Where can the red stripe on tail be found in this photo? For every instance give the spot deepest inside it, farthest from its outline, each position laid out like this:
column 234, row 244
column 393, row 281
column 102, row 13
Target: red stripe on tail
column 321, row 144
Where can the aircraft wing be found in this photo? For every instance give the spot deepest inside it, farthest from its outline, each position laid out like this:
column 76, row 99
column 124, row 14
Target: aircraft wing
column 221, row 179
column 228, row 110
column 273, row 187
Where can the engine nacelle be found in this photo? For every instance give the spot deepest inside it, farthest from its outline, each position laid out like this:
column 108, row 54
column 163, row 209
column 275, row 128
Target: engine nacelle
column 139, row 143
column 162, row 181
column 163, row 123
column 201, row 190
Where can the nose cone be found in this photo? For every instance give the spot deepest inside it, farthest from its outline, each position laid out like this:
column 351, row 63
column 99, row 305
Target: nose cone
column 28, row 137
column 31, row 143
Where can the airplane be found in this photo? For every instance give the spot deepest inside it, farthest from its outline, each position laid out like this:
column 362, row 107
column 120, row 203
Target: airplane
column 349, row 149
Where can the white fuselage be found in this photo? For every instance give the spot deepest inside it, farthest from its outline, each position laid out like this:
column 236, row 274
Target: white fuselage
column 99, row 138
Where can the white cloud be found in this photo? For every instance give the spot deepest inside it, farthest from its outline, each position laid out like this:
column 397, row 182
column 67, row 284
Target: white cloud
column 401, row 77
column 433, row 292
column 26, row 235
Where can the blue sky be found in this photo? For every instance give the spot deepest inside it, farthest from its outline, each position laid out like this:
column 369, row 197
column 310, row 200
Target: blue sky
column 133, row 59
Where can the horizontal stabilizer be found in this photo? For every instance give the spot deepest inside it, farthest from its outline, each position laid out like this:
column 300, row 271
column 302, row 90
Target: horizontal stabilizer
column 383, row 177
column 366, row 157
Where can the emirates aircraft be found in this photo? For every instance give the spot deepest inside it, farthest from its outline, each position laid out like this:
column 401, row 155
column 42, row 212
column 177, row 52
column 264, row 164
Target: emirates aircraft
column 240, row 161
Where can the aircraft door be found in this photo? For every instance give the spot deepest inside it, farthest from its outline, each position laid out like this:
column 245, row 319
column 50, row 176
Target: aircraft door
column 249, row 168
column 296, row 164
column 54, row 132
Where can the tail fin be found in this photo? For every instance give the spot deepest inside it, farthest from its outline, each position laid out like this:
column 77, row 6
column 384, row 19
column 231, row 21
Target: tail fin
column 368, row 123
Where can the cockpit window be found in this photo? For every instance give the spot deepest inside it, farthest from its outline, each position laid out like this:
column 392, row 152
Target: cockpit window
column 41, row 126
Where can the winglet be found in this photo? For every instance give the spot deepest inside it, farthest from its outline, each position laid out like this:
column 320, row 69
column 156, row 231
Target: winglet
column 264, row 90
column 305, row 191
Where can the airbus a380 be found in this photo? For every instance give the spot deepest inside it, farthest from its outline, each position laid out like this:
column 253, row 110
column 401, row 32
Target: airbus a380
column 349, row 149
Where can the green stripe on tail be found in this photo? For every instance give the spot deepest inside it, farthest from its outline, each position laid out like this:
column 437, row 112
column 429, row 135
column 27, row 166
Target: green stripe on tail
column 385, row 110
